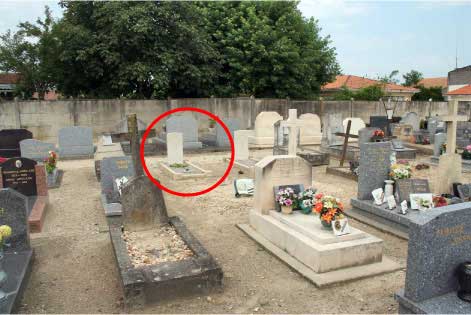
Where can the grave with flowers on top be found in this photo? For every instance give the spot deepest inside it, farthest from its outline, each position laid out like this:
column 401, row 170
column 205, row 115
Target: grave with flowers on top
column 309, row 231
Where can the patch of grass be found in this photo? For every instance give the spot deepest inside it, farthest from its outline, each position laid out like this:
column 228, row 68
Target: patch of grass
column 179, row 165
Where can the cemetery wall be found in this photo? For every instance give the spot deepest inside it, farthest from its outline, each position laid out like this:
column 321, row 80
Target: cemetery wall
column 45, row 118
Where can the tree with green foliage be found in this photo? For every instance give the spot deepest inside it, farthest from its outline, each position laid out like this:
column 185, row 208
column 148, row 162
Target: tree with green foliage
column 434, row 93
column 391, row 78
column 31, row 52
column 412, row 78
column 369, row 93
column 268, row 49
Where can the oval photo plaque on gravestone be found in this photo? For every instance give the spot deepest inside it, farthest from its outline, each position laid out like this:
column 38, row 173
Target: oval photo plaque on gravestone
column 19, row 174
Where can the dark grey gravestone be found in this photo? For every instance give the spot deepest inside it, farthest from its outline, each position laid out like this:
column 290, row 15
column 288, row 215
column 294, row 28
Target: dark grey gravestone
column 380, row 122
column 463, row 134
column 35, row 149
column 10, row 141
column 188, row 126
column 439, row 140
column 412, row 119
column 143, row 205
column 76, row 142
column 375, row 162
column 18, row 255
column 332, row 125
column 405, row 187
column 438, row 243
column 297, row 189
column 20, row 174
column 111, row 169
column 464, row 192
column 232, row 124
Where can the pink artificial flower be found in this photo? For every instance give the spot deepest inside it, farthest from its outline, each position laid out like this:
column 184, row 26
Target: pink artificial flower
column 288, row 202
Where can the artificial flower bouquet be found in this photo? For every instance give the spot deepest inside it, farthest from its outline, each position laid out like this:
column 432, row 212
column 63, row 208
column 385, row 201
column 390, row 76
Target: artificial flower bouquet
column 378, row 135
column 466, row 155
column 306, row 200
column 329, row 208
column 400, row 171
column 287, row 199
column 51, row 162
column 439, row 201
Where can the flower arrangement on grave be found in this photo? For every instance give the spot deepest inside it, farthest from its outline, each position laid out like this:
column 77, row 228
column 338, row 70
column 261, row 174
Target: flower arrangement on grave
column 287, row 199
column 424, row 204
column 51, row 162
column 400, row 171
column 5, row 233
column 329, row 208
column 378, row 135
column 439, row 201
column 466, row 155
column 306, row 200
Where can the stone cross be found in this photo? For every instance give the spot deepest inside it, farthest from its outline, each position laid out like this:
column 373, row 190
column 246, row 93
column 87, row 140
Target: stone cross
column 135, row 143
column 449, row 164
column 452, row 120
column 293, row 124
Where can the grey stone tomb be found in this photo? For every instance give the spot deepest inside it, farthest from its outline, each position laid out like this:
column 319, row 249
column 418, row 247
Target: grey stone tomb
column 374, row 167
column 35, row 149
column 438, row 243
column 76, row 142
column 232, row 124
column 188, row 126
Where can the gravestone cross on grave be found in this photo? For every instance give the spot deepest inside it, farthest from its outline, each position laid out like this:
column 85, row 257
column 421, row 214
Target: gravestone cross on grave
column 346, row 135
column 134, row 141
column 449, row 165
column 293, row 124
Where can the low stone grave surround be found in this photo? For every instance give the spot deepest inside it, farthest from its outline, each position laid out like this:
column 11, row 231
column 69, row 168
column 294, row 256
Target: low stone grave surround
column 18, row 256
column 242, row 159
column 439, row 242
column 300, row 240
column 76, row 143
column 103, row 151
column 190, row 171
column 31, row 180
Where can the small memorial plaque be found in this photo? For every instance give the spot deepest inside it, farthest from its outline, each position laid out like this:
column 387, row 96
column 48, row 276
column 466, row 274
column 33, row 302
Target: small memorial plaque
column 405, row 187
column 19, row 174
column 341, row 227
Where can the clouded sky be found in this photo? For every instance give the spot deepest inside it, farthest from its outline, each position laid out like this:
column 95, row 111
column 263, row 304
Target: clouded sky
column 371, row 37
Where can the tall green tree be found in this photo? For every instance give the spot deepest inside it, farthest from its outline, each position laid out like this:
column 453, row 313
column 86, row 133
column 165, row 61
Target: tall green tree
column 390, row 78
column 31, row 52
column 412, row 78
column 268, row 49
column 434, row 93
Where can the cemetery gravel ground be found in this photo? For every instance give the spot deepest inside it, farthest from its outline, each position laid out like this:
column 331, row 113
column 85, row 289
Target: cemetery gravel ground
column 74, row 269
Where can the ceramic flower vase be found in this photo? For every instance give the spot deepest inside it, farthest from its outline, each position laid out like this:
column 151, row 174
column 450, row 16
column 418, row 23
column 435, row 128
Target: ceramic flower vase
column 326, row 225
column 388, row 188
column 286, row 209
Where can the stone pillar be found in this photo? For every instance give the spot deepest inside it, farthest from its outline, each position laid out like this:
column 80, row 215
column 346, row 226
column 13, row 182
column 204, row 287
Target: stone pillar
column 134, row 142
column 174, row 148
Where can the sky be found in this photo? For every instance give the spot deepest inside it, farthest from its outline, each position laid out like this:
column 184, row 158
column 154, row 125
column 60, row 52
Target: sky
column 372, row 38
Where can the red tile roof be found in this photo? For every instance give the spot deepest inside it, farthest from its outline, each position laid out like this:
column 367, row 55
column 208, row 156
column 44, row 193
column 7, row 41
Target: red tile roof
column 9, row 78
column 465, row 90
column 434, row 82
column 353, row 82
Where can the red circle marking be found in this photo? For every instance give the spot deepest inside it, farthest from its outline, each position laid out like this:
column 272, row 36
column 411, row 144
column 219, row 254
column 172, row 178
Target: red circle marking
column 183, row 109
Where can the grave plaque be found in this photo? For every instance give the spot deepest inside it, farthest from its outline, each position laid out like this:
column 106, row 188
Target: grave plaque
column 296, row 188
column 375, row 161
column 10, row 141
column 111, row 169
column 405, row 187
column 19, row 174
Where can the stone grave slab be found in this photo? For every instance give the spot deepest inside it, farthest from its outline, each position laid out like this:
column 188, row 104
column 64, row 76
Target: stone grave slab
column 439, row 242
column 187, row 125
column 113, row 168
column 411, row 118
column 332, row 125
column 30, row 179
column 18, row 257
column 105, row 150
column 35, row 149
column 76, row 143
column 186, row 170
column 264, row 132
column 310, row 130
column 10, row 141
column 233, row 124
column 402, row 152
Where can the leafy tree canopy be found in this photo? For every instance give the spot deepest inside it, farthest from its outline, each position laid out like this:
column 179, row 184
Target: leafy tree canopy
column 434, row 93
column 412, row 78
column 391, row 78
column 370, row 93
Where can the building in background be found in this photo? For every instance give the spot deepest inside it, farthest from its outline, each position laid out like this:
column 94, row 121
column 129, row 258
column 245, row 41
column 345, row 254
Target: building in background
column 8, row 83
column 355, row 83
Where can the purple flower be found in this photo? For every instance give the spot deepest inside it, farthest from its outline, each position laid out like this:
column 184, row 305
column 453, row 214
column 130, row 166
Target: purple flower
column 288, row 202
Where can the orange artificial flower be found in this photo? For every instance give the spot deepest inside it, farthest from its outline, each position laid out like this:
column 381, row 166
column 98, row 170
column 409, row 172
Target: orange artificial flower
column 318, row 207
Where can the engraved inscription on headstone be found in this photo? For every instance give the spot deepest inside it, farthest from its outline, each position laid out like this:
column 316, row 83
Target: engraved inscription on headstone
column 19, row 174
column 405, row 187
column 374, row 167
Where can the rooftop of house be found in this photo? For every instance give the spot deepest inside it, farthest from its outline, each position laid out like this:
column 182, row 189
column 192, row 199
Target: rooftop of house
column 9, row 78
column 434, row 82
column 353, row 82
column 465, row 90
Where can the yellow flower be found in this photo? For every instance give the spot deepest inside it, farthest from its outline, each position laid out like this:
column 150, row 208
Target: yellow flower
column 5, row 231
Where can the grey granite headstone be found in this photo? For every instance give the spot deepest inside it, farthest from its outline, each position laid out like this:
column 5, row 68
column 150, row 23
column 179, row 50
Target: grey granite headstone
column 464, row 191
column 35, row 149
column 438, row 243
column 188, row 126
column 112, row 168
column 375, row 162
column 232, row 124
column 439, row 140
column 14, row 213
column 332, row 125
column 76, row 142
column 143, row 205
column 435, row 125
column 365, row 134
column 463, row 134
column 412, row 119
column 122, row 126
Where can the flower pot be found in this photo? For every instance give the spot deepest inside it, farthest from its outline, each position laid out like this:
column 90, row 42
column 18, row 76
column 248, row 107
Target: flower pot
column 388, row 188
column 286, row 209
column 326, row 225
column 305, row 210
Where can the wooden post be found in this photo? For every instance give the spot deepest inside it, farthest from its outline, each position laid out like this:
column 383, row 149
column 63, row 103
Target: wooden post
column 134, row 142
column 345, row 143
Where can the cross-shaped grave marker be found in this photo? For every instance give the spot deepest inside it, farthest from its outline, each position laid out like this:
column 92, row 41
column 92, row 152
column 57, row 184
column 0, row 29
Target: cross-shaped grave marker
column 449, row 164
column 293, row 124
column 346, row 136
